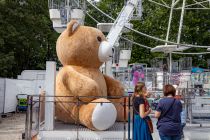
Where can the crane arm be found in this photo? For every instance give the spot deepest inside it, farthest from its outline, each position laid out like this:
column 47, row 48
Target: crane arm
column 116, row 30
column 123, row 18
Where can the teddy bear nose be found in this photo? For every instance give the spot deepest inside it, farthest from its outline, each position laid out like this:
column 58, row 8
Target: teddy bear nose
column 105, row 51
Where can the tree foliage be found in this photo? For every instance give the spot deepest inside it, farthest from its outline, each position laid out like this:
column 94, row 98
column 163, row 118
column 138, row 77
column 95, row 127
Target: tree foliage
column 195, row 30
column 27, row 38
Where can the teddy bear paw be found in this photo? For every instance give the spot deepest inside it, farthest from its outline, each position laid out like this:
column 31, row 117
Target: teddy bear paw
column 104, row 116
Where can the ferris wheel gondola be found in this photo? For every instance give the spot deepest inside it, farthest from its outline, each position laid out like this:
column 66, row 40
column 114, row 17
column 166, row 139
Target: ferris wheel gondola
column 62, row 11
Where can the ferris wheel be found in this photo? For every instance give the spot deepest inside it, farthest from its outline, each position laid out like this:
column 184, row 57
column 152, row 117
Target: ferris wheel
column 183, row 6
column 62, row 11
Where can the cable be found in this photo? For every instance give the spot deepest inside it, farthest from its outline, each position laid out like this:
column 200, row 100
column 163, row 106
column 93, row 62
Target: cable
column 100, row 10
column 144, row 46
column 141, row 45
column 186, row 7
column 149, row 36
column 166, row 6
column 147, row 47
column 191, row 53
column 92, row 18
column 170, row 42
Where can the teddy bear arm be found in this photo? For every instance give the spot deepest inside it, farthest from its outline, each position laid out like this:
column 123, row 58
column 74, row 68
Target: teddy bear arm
column 80, row 85
column 114, row 87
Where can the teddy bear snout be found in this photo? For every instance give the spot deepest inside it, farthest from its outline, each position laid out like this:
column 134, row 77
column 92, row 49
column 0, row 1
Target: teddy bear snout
column 105, row 52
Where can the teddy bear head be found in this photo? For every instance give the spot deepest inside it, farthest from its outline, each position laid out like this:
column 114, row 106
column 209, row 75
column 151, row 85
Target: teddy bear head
column 83, row 46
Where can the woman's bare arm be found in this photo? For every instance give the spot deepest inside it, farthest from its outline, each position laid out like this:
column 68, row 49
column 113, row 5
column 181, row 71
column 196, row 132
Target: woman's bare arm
column 157, row 114
column 142, row 112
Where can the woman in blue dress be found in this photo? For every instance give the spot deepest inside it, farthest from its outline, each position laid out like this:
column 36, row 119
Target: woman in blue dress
column 141, row 109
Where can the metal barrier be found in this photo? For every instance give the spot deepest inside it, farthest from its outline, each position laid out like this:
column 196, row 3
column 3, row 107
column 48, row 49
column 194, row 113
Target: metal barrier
column 35, row 120
column 197, row 109
column 196, row 104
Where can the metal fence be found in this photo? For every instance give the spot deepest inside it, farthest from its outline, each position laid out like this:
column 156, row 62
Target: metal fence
column 35, row 119
column 196, row 102
column 197, row 108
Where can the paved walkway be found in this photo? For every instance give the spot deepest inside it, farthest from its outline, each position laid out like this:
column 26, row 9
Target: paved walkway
column 192, row 133
column 13, row 126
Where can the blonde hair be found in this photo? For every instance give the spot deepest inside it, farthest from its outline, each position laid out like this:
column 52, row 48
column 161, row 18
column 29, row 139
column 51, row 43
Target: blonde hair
column 138, row 89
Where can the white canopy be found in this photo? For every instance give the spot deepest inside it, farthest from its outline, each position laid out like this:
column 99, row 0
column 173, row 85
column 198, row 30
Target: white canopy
column 168, row 48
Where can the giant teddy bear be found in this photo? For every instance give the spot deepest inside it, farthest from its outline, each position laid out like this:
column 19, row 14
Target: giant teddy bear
column 82, row 50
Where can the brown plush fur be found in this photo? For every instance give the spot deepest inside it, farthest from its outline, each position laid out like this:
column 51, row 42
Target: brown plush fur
column 80, row 76
column 122, row 108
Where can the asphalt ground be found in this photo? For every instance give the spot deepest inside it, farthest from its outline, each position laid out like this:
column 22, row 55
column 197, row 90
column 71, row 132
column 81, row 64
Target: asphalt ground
column 13, row 125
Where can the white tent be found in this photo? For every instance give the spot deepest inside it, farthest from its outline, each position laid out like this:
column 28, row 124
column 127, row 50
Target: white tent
column 13, row 87
column 2, row 92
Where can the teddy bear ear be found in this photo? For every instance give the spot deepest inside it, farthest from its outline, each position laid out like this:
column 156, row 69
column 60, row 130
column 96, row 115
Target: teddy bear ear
column 72, row 26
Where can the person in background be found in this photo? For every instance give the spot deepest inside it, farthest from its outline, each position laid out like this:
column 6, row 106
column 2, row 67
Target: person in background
column 198, row 81
column 141, row 108
column 183, row 121
column 168, row 113
column 183, row 114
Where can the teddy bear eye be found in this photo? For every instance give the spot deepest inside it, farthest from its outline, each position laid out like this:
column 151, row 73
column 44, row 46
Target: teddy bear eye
column 99, row 39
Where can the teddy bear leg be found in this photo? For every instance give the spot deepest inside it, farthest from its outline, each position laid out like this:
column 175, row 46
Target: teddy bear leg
column 66, row 112
column 100, row 114
column 122, row 108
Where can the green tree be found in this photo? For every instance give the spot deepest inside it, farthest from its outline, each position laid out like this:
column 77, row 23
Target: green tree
column 27, row 38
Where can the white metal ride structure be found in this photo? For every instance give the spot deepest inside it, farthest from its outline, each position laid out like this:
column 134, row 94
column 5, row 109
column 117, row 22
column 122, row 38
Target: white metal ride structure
column 123, row 18
column 62, row 13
